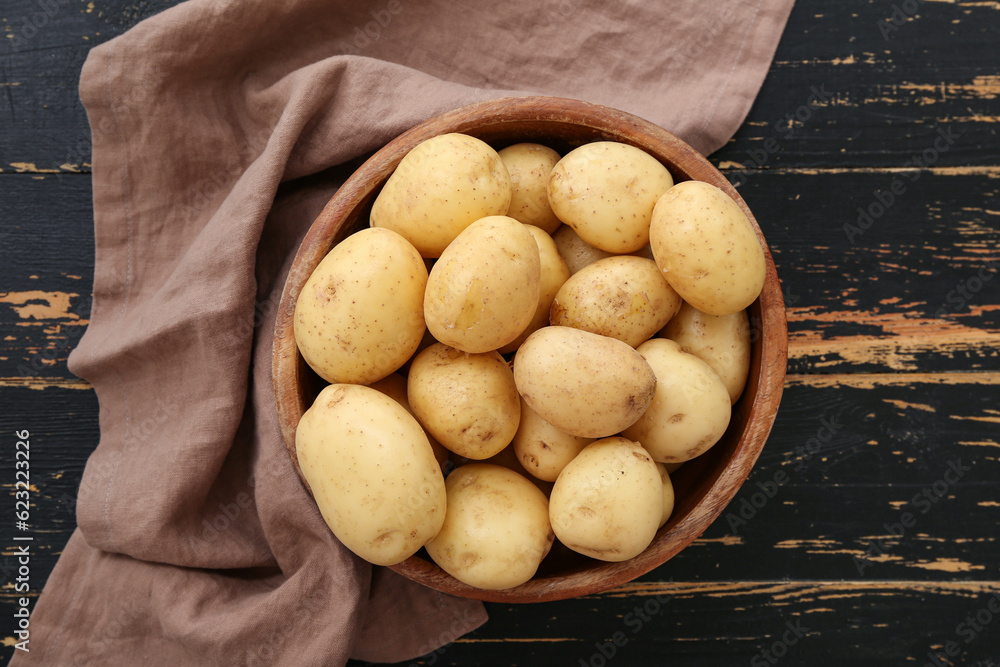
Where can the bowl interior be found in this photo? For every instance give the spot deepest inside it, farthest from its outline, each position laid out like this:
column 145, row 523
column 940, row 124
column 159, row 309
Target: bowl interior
column 704, row 486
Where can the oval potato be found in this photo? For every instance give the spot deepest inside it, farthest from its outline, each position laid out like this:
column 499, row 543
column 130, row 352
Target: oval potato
column 722, row 341
column 706, row 248
column 577, row 252
column 583, row 383
column 542, row 449
column 668, row 493
column 483, row 291
column 439, row 188
column 372, row 473
column 529, row 166
column 360, row 314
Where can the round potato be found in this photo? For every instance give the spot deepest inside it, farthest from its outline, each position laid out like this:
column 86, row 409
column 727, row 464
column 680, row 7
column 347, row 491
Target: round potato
column 623, row 297
column 542, row 449
column 706, row 248
column 554, row 273
column 607, row 502
column 583, row 383
column 529, row 166
column 496, row 531
column 668, row 493
column 606, row 192
column 577, row 252
column 372, row 473
column 483, row 291
column 722, row 341
column 468, row 402
column 691, row 409
column 394, row 386
column 441, row 187
column 360, row 314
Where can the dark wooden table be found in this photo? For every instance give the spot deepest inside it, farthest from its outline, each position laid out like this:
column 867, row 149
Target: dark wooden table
column 872, row 162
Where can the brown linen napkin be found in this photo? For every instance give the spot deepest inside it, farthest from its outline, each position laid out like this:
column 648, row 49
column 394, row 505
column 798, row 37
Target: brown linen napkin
column 219, row 131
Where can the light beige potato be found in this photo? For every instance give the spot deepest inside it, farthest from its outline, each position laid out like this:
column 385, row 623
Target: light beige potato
column 722, row 341
column 583, row 383
column 606, row 192
column 541, row 448
column 483, row 290
column 691, row 409
column 529, row 166
column 441, row 187
column 668, row 493
column 707, row 248
column 508, row 459
column 577, row 252
column 372, row 473
column 553, row 274
column 607, row 502
column 360, row 314
column 623, row 297
column 468, row 402
column 394, row 386
column 496, row 531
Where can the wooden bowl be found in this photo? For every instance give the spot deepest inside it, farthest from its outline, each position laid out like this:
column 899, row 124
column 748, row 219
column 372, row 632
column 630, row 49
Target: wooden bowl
column 703, row 486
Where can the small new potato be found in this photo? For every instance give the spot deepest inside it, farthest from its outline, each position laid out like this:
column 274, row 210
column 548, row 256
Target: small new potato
column 372, row 473
column 583, row 383
column 529, row 166
column 707, row 248
column 543, row 449
column 496, row 531
column 722, row 341
column 691, row 409
column 360, row 314
column 577, row 252
column 607, row 502
column 483, row 291
column 623, row 297
column 668, row 493
column 439, row 188
column 554, row 273
column 606, row 191
column 468, row 402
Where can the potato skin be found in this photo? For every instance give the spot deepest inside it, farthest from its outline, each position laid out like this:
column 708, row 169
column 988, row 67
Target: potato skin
column 668, row 493
column 606, row 191
column 577, row 252
column 583, row 383
column 496, row 531
column 483, row 291
column 394, row 386
column 607, row 502
column 468, row 402
column 372, row 473
column 360, row 314
column 529, row 166
column 439, row 188
column 623, row 297
column 691, row 409
column 722, row 341
column 706, row 248
column 542, row 449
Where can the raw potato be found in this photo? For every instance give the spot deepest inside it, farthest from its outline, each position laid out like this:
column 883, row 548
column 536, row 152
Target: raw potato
column 360, row 314
column 372, row 473
column 496, row 531
column 468, row 402
column 606, row 192
column 554, row 273
column 542, row 449
column 394, row 386
column 583, row 383
column 623, row 297
column 722, row 341
column 529, row 166
column 668, row 493
column 441, row 187
column 577, row 252
column 706, row 248
column 483, row 291
column 508, row 459
column 691, row 409
column 608, row 502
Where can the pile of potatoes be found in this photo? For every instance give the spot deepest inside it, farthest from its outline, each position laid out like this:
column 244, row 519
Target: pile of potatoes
column 521, row 347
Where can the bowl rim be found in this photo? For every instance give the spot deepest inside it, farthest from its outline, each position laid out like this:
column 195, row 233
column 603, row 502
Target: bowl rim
column 482, row 119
